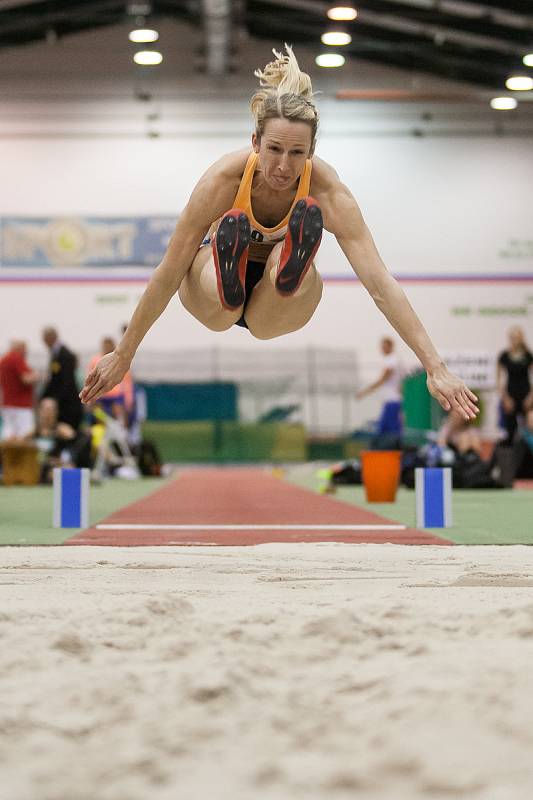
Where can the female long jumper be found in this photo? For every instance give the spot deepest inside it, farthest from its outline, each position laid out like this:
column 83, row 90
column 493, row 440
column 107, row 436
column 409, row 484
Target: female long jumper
column 242, row 251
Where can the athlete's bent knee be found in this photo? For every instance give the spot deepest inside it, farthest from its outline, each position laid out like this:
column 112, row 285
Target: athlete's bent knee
column 264, row 336
column 267, row 333
column 218, row 325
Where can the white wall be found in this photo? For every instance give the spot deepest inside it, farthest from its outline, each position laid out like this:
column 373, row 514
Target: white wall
column 436, row 207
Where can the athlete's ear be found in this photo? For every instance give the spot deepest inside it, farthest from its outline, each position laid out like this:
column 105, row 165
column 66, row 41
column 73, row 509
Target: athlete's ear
column 256, row 142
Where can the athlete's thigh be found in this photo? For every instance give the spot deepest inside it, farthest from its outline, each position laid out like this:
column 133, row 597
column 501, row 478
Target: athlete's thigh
column 201, row 259
column 273, row 258
column 312, row 277
column 200, row 283
column 200, row 296
column 268, row 314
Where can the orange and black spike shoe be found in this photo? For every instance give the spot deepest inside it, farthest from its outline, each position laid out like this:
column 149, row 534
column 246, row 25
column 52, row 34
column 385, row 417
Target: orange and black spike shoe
column 230, row 253
column 301, row 243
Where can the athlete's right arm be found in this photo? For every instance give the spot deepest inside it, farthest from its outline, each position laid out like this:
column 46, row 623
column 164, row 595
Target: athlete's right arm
column 210, row 198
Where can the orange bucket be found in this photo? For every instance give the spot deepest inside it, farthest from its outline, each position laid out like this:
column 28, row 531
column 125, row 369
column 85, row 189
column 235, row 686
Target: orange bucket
column 381, row 474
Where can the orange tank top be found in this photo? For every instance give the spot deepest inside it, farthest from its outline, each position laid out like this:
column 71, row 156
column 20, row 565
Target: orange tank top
column 263, row 239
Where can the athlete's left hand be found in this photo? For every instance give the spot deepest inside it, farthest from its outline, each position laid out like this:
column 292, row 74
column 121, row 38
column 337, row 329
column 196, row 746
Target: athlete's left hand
column 452, row 393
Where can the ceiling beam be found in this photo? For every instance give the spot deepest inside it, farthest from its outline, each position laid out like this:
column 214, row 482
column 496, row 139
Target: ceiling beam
column 5, row 5
column 473, row 10
column 437, row 31
column 217, row 26
column 415, row 54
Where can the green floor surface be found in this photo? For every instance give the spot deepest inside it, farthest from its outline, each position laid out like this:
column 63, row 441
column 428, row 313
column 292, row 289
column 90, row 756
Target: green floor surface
column 26, row 511
column 482, row 516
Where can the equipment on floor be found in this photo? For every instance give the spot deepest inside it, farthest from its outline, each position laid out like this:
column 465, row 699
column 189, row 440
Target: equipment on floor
column 20, row 463
column 71, row 497
column 433, row 490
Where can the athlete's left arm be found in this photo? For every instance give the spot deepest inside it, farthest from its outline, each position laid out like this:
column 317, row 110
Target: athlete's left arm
column 343, row 218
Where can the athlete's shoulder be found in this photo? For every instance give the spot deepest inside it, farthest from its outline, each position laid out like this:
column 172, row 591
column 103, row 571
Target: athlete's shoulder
column 323, row 176
column 339, row 207
column 215, row 191
column 230, row 166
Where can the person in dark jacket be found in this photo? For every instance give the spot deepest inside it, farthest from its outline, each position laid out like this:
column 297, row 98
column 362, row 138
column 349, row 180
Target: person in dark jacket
column 515, row 384
column 61, row 383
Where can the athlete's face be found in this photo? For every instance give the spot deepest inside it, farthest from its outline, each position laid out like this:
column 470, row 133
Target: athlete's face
column 283, row 149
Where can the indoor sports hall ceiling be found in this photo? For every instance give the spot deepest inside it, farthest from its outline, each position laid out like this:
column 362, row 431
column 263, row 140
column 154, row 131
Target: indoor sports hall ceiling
column 478, row 42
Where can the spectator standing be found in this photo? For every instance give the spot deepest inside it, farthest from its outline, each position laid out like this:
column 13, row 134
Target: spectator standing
column 61, row 383
column 16, row 381
column 389, row 384
column 515, row 368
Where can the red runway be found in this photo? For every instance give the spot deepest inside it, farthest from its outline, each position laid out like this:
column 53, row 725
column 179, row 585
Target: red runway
column 242, row 506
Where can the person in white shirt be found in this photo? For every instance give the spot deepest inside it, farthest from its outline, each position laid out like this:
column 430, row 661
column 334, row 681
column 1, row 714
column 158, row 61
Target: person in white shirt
column 389, row 384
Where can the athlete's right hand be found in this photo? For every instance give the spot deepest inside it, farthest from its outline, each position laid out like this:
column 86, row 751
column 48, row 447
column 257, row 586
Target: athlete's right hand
column 107, row 373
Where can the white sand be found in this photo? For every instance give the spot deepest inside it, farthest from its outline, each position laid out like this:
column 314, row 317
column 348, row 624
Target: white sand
column 275, row 672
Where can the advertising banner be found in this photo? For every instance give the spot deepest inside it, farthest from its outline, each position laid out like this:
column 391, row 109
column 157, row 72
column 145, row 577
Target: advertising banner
column 87, row 242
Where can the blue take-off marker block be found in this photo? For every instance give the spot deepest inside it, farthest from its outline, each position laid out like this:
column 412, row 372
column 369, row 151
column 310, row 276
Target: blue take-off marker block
column 433, row 487
column 71, row 498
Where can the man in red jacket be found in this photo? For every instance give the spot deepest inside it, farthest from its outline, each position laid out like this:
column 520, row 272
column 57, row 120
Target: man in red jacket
column 16, row 383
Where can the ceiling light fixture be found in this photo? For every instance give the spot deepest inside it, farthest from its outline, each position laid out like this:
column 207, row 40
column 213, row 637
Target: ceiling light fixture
column 336, row 38
column 143, row 35
column 503, row 103
column 139, row 9
column 528, row 60
column 148, row 58
column 342, row 11
column 519, row 83
column 330, row 60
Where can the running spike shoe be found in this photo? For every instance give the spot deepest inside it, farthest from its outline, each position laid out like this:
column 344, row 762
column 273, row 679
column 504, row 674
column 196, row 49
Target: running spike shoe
column 230, row 253
column 301, row 243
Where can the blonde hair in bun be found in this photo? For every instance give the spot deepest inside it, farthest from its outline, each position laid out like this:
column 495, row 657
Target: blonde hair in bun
column 286, row 93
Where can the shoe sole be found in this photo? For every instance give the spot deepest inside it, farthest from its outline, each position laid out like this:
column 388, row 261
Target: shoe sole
column 230, row 253
column 301, row 243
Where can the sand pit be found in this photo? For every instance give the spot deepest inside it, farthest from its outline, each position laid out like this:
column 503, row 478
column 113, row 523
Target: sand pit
column 277, row 672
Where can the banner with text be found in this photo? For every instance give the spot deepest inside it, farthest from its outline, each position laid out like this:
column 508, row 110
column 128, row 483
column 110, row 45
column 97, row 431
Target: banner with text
column 87, row 242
